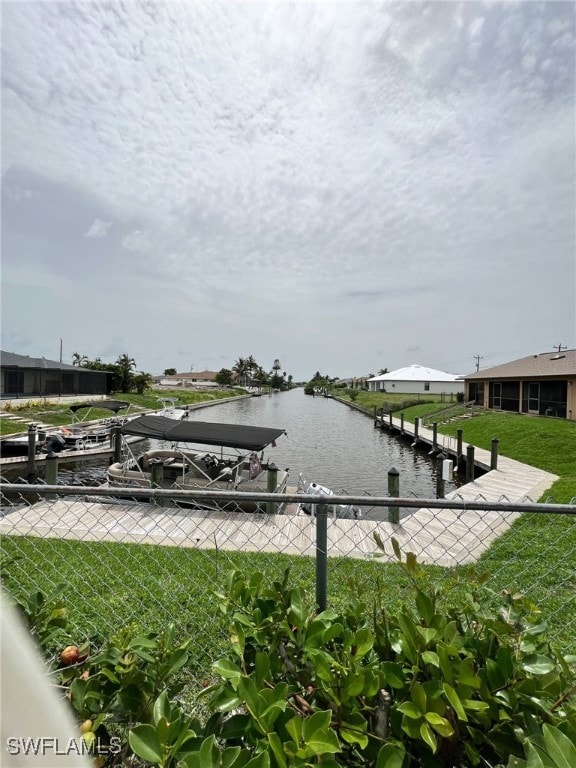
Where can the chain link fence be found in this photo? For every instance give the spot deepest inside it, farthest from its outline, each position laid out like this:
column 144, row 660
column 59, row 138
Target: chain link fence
column 160, row 556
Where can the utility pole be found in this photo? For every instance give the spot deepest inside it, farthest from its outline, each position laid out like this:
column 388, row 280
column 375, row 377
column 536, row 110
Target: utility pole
column 560, row 347
column 478, row 358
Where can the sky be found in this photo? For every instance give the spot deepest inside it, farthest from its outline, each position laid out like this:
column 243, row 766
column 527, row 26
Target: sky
column 345, row 187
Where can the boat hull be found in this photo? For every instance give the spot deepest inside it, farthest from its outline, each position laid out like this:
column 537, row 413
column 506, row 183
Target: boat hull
column 180, row 471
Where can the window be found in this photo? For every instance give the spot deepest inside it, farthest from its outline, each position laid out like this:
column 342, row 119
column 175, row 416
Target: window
column 426, row 386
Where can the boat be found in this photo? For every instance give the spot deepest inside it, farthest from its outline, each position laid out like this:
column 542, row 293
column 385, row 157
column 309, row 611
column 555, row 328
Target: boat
column 340, row 511
column 78, row 436
column 170, row 408
column 231, row 463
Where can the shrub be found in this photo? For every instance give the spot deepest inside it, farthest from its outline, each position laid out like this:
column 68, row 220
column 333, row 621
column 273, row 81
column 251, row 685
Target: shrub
column 429, row 686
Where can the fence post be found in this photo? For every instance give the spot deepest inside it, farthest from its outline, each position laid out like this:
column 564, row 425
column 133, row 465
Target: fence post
column 469, row 463
column 31, row 450
column 272, row 482
column 440, row 485
column 494, row 453
column 321, row 555
column 416, row 426
column 393, row 490
column 51, row 473
column 157, row 479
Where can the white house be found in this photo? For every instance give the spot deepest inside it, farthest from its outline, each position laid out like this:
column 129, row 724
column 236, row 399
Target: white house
column 417, row 379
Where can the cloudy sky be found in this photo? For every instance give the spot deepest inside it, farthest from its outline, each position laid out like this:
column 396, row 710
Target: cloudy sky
column 343, row 186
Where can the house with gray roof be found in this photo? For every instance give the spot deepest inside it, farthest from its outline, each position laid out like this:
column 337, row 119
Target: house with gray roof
column 24, row 377
column 543, row 384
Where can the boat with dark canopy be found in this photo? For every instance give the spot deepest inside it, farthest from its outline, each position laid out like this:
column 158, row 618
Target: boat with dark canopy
column 232, row 462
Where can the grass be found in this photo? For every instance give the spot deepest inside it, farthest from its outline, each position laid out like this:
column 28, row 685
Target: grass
column 546, row 443
column 59, row 414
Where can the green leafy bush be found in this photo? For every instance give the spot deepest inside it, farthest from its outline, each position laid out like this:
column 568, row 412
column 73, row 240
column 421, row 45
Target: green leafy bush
column 429, row 686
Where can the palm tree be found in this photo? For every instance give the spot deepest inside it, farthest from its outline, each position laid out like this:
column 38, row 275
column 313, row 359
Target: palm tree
column 125, row 364
column 239, row 369
column 142, row 382
column 78, row 359
column 251, row 366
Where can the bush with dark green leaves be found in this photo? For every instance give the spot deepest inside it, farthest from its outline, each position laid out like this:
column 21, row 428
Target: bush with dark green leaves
column 428, row 686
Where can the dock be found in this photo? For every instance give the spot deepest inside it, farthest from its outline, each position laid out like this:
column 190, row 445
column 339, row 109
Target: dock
column 98, row 452
column 445, row 537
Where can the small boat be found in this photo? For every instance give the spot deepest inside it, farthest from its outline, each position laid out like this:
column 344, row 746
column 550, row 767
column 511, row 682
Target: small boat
column 170, row 408
column 78, row 436
column 342, row 511
column 81, row 435
column 238, row 468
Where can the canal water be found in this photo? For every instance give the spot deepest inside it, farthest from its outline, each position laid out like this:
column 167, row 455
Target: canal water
column 327, row 442
column 331, row 444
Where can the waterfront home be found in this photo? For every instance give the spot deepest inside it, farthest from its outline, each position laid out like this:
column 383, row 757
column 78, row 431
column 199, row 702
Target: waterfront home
column 543, row 384
column 417, row 379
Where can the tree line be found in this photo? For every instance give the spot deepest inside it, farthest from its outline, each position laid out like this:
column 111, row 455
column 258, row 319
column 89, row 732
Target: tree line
column 121, row 375
column 246, row 372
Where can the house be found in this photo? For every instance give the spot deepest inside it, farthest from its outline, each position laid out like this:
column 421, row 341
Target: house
column 417, row 379
column 543, row 384
column 190, row 379
column 25, row 377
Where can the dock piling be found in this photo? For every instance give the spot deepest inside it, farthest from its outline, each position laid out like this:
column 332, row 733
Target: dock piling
column 157, row 479
column 440, row 483
column 434, row 449
column 51, row 472
column 416, row 425
column 459, row 434
column 31, row 450
column 494, row 453
column 393, row 491
column 271, row 483
column 116, row 440
column 469, row 463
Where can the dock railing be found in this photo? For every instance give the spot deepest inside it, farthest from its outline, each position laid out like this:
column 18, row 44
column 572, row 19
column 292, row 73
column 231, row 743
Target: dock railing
column 443, row 415
column 153, row 559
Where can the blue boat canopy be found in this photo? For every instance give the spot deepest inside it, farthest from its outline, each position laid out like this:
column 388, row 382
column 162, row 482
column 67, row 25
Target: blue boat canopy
column 202, row 432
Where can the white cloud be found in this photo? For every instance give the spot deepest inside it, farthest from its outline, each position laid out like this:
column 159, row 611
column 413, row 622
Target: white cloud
column 98, row 229
column 137, row 240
